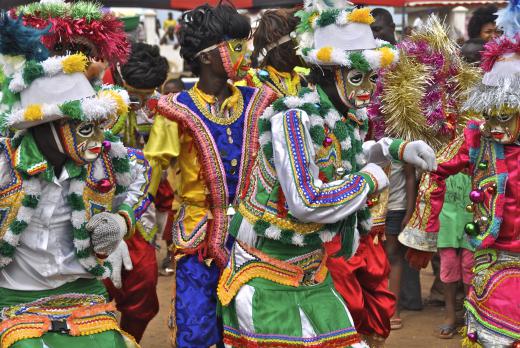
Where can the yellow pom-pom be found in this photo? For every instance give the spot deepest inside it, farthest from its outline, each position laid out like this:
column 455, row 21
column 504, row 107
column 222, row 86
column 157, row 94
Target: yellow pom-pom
column 74, row 63
column 122, row 107
column 387, row 56
column 33, row 112
column 324, row 54
column 361, row 15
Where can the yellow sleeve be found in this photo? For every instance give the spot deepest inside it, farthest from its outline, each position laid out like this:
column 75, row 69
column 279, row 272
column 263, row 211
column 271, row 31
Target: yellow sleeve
column 163, row 145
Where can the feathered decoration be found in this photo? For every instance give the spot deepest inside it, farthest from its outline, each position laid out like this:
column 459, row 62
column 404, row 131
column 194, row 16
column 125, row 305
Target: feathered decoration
column 421, row 96
column 80, row 23
column 19, row 40
column 509, row 18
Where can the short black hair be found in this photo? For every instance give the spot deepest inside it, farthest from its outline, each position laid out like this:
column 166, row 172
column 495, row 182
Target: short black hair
column 146, row 68
column 383, row 13
column 471, row 50
column 482, row 16
column 206, row 26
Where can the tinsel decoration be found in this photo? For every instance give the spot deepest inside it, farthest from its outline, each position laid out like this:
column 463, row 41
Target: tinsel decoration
column 421, row 97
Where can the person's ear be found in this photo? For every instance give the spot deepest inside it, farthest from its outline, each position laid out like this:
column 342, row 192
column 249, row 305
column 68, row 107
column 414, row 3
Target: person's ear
column 392, row 26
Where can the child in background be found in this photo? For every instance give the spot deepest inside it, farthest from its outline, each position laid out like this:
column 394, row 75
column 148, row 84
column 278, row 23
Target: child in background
column 403, row 190
column 454, row 249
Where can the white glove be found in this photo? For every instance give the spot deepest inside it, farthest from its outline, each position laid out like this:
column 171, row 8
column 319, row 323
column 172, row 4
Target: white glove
column 107, row 230
column 378, row 174
column 420, row 155
column 118, row 259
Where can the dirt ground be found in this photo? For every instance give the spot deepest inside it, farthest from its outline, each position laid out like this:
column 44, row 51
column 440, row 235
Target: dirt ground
column 418, row 326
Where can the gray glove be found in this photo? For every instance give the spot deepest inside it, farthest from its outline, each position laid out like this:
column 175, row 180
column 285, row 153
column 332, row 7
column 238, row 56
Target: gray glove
column 106, row 230
column 118, row 259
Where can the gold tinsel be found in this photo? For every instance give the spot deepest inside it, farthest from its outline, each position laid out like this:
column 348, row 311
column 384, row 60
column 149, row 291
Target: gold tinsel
column 406, row 83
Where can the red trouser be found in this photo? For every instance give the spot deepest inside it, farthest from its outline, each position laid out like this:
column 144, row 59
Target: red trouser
column 137, row 300
column 362, row 281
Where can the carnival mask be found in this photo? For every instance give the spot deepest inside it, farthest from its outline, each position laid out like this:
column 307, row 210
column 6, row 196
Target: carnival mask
column 503, row 127
column 81, row 141
column 235, row 58
column 355, row 87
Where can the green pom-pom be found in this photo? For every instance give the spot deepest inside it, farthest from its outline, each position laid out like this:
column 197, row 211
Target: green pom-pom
column 304, row 91
column 76, row 202
column 340, row 131
column 306, row 50
column 120, row 189
column 80, row 233
column 111, row 137
column 72, row 109
column 260, row 226
column 267, row 149
column 304, row 25
column 344, row 155
column 30, row 201
column 310, row 109
column 317, row 134
column 264, row 125
column 279, row 105
column 6, row 249
column 358, row 61
column 32, row 70
column 97, row 270
column 18, row 226
column 82, row 254
column 328, row 17
column 121, row 165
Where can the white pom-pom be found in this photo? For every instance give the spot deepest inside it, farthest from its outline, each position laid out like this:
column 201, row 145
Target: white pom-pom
column 373, row 58
column 316, row 121
column 52, row 66
column 297, row 239
column 292, row 102
column 346, row 144
column 265, row 138
column 17, row 84
column 273, row 232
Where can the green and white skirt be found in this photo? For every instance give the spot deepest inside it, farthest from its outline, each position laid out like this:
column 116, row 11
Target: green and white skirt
column 274, row 303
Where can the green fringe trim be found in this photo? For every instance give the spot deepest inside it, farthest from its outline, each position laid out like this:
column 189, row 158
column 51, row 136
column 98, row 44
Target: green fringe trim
column 121, row 165
column 72, row 109
column 328, row 17
column 120, row 189
column 32, row 70
column 359, row 62
column 6, row 249
column 317, row 134
column 234, row 224
column 80, row 233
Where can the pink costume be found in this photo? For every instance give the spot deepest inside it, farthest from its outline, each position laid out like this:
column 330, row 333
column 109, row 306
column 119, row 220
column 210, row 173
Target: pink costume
column 489, row 151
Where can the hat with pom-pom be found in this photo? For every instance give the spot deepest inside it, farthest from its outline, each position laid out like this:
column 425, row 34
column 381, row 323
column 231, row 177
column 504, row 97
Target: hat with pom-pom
column 333, row 32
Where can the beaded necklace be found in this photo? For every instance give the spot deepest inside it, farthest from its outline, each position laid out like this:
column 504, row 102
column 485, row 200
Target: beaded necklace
column 219, row 114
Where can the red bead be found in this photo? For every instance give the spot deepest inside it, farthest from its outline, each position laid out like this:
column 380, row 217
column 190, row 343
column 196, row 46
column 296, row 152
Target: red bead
column 516, row 344
column 104, row 185
column 107, row 145
column 327, row 142
column 476, row 196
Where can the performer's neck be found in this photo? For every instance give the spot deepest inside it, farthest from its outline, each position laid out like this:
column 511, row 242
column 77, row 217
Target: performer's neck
column 214, row 85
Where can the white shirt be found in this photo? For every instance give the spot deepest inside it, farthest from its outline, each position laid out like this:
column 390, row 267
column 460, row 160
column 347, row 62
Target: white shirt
column 45, row 257
column 397, row 196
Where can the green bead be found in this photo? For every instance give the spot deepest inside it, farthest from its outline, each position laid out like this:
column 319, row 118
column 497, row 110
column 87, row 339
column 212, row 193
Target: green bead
column 483, row 165
column 471, row 229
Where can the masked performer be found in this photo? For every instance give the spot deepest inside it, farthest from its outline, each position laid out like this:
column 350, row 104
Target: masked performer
column 215, row 143
column 309, row 184
column 489, row 152
column 65, row 200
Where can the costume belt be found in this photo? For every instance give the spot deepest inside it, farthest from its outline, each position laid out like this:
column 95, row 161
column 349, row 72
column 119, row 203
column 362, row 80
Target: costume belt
column 72, row 314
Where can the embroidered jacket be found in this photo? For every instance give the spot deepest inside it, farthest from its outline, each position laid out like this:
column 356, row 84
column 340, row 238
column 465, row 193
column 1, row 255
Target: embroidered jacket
column 102, row 185
column 215, row 158
column 494, row 171
column 306, row 187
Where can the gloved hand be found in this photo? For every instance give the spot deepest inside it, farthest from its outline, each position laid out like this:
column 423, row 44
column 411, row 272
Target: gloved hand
column 420, row 155
column 376, row 173
column 417, row 258
column 118, row 259
column 107, row 230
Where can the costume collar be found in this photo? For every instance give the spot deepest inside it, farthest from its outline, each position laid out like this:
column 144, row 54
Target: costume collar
column 325, row 101
column 29, row 160
column 229, row 103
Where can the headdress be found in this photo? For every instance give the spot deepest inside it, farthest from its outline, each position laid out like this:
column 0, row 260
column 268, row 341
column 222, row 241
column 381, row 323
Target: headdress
column 38, row 91
column 500, row 86
column 336, row 33
column 421, row 96
column 79, row 22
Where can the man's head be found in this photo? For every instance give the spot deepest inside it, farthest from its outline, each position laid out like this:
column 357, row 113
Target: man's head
column 383, row 26
column 272, row 40
column 214, row 39
column 482, row 23
column 170, row 15
column 145, row 71
column 172, row 86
